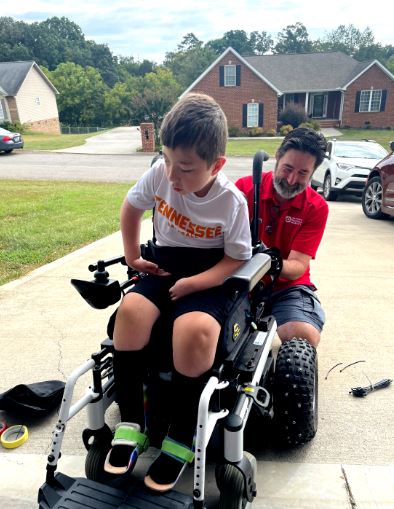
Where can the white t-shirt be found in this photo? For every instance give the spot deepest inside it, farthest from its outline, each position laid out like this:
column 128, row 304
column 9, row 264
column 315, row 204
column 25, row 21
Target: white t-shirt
column 218, row 220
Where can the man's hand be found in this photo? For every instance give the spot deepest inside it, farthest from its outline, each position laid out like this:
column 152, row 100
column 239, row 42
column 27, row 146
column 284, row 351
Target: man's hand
column 148, row 267
column 182, row 287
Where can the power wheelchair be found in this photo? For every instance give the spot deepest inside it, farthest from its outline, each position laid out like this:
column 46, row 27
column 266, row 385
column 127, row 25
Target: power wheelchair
column 244, row 381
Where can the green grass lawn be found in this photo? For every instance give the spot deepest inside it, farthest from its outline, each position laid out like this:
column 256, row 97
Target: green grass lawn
column 382, row 136
column 42, row 221
column 45, row 141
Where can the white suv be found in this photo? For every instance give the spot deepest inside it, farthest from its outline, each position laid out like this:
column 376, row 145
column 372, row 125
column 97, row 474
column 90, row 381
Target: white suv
column 346, row 167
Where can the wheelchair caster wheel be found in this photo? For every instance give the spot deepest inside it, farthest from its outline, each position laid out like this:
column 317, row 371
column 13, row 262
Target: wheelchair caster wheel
column 94, row 463
column 295, row 393
column 230, row 483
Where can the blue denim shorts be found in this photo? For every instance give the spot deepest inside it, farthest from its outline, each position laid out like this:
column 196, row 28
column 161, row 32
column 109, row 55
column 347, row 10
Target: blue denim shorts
column 298, row 303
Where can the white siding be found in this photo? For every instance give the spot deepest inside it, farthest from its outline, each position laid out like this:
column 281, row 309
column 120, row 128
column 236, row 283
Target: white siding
column 35, row 99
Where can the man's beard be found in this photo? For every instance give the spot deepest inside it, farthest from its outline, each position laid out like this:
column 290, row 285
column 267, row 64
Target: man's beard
column 285, row 190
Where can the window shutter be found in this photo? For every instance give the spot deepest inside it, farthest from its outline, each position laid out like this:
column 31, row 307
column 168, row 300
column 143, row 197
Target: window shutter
column 261, row 114
column 244, row 115
column 221, row 75
column 357, row 106
column 238, row 76
column 383, row 101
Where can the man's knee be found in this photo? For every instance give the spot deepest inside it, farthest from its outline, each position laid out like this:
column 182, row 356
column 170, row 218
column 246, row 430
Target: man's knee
column 301, row 330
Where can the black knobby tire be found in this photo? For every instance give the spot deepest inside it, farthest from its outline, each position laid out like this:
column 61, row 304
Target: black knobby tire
column 328, row 193
column 230, row 483
column 295, row 393
column 372, row 199
column 94, row 463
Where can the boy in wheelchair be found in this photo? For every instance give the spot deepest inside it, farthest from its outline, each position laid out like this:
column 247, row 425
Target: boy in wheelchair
column 202, row 235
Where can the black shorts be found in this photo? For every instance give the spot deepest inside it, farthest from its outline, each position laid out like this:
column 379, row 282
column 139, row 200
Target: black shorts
column 213, row 301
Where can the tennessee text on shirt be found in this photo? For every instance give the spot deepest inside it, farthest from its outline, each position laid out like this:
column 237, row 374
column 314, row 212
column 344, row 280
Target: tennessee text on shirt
column 293, row 220
column 184, row 224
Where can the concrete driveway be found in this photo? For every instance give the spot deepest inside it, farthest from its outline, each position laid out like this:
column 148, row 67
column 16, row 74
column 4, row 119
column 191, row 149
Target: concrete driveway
column 121, row 140
column 46, row 330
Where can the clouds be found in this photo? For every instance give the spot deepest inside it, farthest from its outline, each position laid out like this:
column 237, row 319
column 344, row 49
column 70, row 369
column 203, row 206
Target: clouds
column 148, row 29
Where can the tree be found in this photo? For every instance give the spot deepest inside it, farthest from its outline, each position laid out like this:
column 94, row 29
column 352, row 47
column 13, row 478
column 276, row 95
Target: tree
column 158, row 92
column 261, row 42
column 293, row 39
column 350, row 40
column 81, row 94
column 189, row 61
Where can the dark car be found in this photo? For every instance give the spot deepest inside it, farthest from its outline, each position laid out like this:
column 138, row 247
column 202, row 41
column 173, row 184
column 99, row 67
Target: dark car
column 378, row 194
column 9, row 140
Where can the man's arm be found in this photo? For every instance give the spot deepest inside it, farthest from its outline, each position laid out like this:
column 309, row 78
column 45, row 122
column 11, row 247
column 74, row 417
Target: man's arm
column 214, row 276
column 295, row 265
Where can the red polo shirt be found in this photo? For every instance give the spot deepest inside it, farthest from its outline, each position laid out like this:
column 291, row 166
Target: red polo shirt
column 297, row 224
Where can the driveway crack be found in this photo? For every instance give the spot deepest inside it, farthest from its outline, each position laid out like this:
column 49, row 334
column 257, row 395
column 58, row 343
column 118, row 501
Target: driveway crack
column 352, row 502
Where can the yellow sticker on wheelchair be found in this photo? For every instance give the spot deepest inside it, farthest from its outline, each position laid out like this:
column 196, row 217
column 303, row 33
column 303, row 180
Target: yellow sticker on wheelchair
column 236, row 331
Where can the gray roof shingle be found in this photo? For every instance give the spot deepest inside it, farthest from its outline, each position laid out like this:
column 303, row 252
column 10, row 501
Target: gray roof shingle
column 12, row 75
column 307, row 71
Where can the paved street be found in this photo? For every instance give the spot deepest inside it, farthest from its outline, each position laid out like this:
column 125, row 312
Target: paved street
column 95, row 168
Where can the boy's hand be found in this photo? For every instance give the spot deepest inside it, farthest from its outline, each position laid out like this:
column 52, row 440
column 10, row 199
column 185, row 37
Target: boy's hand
column 181, row 288
column 148, row 267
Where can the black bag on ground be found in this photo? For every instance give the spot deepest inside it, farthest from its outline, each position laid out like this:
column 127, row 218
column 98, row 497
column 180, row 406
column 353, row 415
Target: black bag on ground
column 33, row 400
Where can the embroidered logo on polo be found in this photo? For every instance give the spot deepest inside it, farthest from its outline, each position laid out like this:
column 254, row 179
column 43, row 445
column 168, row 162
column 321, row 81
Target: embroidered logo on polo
column 184, row 224
column 293, row 220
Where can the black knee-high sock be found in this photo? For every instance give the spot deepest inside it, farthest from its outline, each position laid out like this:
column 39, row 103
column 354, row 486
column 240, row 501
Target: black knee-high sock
column 129, row 372
column 186, row 393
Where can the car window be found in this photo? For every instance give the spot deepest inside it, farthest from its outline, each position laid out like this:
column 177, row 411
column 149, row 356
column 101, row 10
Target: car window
column 365, row 151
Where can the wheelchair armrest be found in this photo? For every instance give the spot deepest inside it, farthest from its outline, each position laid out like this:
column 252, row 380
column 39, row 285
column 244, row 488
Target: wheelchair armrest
column 249, row 274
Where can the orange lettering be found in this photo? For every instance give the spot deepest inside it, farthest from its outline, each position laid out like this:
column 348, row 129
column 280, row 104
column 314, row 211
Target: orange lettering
column 190, row 228
column 218, row 231
column 200, row 230
column 167, row 212
column 175, row 217
column 183, row 222
column 209, row 233
column 161, row 206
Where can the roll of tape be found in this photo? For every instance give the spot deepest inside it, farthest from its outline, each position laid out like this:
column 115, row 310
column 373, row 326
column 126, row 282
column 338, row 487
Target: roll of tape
column 14, row 436
column 3, row 426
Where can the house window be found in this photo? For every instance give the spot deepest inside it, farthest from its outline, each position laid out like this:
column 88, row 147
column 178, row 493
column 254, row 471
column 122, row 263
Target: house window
column 2, row 116
column 252, row 115
column 370, row 100
column 230, row 75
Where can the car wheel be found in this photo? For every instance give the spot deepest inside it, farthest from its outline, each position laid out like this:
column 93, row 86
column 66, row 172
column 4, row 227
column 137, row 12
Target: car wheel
column 328, row 193
column 372, row 199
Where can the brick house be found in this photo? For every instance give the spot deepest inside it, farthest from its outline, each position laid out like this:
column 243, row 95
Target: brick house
column 334, row 89
column 27, row 96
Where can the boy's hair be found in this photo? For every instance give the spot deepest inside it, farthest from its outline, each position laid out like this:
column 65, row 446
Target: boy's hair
column 306, row 140
column 196, row 121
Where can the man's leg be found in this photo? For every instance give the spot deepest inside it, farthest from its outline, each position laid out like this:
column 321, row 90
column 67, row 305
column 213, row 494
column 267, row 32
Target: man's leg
column 299, row 314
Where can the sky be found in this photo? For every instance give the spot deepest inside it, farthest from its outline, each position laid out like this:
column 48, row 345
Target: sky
column 148, row 29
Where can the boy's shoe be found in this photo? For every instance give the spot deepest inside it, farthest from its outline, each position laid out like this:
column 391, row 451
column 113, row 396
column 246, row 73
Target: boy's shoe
column 168, row 467
column 128, row 443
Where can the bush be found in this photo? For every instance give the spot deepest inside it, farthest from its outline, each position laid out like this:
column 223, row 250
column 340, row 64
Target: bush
column 285, row 129
column 311, row 124
column 293, row 114
column 14, row 126
column 235, row 132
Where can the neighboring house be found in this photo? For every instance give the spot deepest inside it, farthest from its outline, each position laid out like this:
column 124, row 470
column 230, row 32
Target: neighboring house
column 334, row 88
column 27, row 96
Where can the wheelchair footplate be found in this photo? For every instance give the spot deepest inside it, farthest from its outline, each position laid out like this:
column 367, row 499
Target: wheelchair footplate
column 77, row 493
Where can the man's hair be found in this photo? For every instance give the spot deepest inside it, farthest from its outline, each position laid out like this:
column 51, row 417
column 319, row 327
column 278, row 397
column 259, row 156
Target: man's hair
column 196, row 121
column 305, row 140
